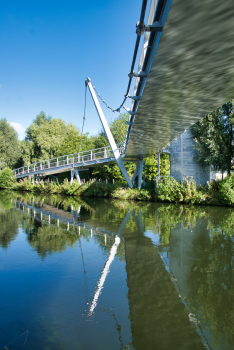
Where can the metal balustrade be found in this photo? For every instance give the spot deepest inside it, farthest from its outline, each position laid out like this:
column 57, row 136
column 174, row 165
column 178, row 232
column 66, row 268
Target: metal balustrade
column 79, row 159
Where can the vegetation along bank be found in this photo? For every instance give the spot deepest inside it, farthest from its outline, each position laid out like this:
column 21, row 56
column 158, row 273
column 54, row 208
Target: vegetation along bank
column 220, row 192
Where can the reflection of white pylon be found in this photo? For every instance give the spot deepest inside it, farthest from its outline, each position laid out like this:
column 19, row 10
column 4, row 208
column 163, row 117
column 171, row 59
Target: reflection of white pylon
column 104, row 274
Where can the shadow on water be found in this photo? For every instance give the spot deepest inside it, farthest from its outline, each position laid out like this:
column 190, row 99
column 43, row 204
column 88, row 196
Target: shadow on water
column 178, row 263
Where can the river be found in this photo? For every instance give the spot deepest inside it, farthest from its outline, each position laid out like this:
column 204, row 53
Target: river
column 104, row 274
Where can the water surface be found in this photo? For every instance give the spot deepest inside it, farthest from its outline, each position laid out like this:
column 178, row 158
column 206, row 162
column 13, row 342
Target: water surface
column 102, row 274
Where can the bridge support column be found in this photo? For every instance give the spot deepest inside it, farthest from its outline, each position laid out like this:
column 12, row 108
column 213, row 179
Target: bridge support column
column 72, row 176
column 158, row 163
column 75, row 172
column 138, row 171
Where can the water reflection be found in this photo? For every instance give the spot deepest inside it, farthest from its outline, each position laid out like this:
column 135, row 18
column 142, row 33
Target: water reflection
column 149, row 275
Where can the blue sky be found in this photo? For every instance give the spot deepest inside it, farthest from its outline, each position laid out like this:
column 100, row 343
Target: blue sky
column 48, row 48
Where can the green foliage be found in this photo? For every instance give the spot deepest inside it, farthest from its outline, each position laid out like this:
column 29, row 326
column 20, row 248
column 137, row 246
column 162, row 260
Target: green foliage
column 151, row 166
column 23, row 185
column 9, row 145
column 221, row 192
column 48, row 239
column 99, row 141
column 214, row 138
column 72, row 140
column 6, row 178
column 46, row 135
column 72, row 189
column 118, row 127
column 49, row 137
column 9, row 226
column 168, row 189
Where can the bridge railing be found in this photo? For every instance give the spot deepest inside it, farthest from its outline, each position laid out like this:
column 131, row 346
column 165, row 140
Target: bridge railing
column 75, row 158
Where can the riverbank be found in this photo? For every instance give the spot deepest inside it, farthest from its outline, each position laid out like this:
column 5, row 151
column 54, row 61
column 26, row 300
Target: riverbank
column 219, row 193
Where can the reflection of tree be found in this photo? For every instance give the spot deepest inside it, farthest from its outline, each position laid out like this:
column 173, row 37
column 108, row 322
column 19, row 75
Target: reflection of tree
column 49, row 239
column 222, row 219
column 56, row 200
column 212, row 287
column 6, row 199
column 9, row 220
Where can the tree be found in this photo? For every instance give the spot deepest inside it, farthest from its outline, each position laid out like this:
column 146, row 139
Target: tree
column 26, row 151
column 72, row 140
column 6, row 178
column 46, row 135
column 214, row 138
column 49, row 137
column 118, row 127
column 9, row 145
column 99, row 141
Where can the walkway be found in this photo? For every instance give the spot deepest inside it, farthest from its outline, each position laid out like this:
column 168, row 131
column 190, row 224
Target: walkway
column 66, row 163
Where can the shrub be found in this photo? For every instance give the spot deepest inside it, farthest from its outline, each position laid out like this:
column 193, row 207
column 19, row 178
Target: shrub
column 219, row 192
column 6, row 178
column 23, row 185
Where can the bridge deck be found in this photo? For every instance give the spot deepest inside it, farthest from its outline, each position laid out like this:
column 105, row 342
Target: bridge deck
column 192, row 73
column 65, row 163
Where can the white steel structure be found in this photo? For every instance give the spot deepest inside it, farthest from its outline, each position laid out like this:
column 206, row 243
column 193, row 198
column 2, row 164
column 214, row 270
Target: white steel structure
column 73, row 162
column 186, row 70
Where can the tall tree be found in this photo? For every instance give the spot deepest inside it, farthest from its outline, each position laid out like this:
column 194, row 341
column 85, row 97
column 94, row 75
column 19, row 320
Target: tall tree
column 49, row 137
column 214, row 138
column 46, row 135
column 9, row 145
column 72, row 142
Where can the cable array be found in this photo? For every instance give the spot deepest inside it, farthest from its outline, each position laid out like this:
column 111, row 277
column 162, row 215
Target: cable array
column 118, row 131
column 83, row 120
column 140, row 31
column 140, row 27
column 103, row 101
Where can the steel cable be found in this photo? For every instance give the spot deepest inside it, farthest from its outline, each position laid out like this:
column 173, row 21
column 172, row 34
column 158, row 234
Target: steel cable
column 141, row 24
column 83, row 120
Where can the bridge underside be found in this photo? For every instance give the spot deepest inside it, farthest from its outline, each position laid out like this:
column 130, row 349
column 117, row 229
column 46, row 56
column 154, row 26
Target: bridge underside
column 192, row 74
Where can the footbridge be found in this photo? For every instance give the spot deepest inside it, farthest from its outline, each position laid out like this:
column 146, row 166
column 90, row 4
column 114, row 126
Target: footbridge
column 185, row 71
column 70, row 162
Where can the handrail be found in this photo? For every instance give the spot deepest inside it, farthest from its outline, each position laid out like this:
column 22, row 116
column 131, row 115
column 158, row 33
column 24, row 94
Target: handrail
column 69, row 159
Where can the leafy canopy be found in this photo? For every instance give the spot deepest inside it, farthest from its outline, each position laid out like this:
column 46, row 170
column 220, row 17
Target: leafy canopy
column 9, row 145
column 214, row 138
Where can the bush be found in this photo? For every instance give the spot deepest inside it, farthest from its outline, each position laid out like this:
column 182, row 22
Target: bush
column 23, row 185
column 219, row 192
column 7, row 178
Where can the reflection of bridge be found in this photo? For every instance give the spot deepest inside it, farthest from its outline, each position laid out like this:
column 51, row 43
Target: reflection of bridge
column 66, row 221
column 191, row 75
column 150, row 284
